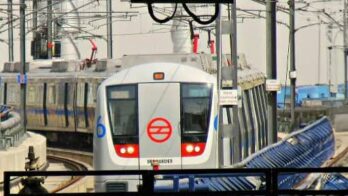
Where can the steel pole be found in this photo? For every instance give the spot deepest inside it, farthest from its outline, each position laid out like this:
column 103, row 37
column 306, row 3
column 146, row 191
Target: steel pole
column 237, row 155
column 34, row 18
column 109, row 28
column 219, row 78
column 319, row 51
column 10, row 31
column 49, row 29
column 292, row 62
column 271, row 61
column 22, row 61
column 345, row 50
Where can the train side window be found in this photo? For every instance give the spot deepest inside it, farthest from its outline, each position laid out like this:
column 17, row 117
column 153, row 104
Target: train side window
column 31, row 93
column 264, row 104
column 243, row 133
column 91, row 94
column 51, row 94
column 255, row 118
column 62, row 97
column 245, row 139
column 13, row 91
column 80, row 94
column 2, row 91
column 195, row 108
column 261, row 115
column 122, row 106
column 227, row 115
column 250, row 121
column 70, row 92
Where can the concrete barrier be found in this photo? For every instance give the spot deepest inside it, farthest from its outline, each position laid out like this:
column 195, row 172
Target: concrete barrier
column 13, row 159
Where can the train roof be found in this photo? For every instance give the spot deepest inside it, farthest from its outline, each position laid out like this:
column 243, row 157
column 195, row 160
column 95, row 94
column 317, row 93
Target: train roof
column 104, row 68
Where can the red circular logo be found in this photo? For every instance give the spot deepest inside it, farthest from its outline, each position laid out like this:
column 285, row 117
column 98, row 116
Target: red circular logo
column 159, row 129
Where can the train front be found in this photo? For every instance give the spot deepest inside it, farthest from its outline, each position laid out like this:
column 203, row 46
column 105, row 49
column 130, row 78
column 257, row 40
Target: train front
column 153, row 117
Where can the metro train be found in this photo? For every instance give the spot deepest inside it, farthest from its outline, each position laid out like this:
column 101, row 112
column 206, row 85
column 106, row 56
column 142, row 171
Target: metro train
column 165, row 116
column 61, row 98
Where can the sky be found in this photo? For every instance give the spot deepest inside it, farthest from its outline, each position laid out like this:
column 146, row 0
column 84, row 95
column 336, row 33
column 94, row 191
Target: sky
column 142, row 35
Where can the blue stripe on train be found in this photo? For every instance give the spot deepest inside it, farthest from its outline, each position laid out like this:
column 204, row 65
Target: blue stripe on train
column 59, row 112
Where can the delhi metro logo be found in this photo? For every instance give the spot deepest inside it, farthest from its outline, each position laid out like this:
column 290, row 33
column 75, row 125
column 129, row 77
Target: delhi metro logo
column 159, row 130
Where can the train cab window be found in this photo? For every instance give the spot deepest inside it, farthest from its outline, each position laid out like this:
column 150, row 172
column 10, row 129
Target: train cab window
column 195, row 108
column 122, row 105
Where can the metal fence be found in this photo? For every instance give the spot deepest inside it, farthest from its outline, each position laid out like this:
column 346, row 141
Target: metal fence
column 149, row 180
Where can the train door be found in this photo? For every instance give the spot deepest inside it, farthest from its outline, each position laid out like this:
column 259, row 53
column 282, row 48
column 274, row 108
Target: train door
column 159, row 126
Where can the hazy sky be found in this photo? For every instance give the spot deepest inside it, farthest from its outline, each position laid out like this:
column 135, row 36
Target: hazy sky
column 144, row 36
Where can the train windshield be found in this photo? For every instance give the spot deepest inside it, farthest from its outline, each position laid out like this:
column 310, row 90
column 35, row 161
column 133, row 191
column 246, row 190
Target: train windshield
column 195, row 108
column 122, row 103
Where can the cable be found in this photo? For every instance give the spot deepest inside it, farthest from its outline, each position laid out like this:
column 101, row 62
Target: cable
column 149, row 7
column 198, row 20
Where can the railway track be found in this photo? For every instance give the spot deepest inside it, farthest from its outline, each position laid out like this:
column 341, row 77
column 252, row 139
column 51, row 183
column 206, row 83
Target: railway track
column 60, row 184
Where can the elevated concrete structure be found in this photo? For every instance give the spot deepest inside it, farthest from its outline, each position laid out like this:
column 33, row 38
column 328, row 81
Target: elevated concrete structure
column 14, row 158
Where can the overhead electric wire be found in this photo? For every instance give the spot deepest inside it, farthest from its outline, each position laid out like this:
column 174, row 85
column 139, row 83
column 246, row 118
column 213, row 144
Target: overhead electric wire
column 165, row 20
column 197, row 18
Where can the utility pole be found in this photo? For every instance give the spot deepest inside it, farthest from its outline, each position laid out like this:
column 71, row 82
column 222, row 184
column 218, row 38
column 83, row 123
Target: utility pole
column 34, row 18
column 271, row 61
column 49, row 29
column 10, row 31
column 345, row 49
column 22, row 8
column 109, row 28
column 319, row 50
column 292, row 61
column 219, row 85
column 234, row 59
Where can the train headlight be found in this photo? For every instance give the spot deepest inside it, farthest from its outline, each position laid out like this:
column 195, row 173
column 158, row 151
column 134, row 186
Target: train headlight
column 192, row 149
column 123, row 150
column 197, row 148
column 189, row 148
column 130, row 150
column 127, row 150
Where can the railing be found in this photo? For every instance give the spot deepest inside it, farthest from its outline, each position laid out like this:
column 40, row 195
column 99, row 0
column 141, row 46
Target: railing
column 309, row 147
column 149, row 180
column 11, row 131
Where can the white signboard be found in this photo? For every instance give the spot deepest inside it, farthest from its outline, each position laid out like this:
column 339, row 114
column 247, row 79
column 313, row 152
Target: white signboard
column 273, row 85
column 293, row 74
column 228, row 97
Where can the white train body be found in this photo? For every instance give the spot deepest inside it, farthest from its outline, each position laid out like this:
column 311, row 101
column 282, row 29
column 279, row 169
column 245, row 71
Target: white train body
column 164, row 116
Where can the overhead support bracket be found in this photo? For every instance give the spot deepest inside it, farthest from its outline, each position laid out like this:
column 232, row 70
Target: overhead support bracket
column 182, row 1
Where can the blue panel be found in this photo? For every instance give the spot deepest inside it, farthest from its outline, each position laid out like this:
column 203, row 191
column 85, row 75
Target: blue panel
column 308, row 147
